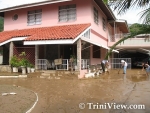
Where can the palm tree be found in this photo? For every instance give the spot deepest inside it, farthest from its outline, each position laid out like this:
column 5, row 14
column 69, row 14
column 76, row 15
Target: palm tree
column 121, row 6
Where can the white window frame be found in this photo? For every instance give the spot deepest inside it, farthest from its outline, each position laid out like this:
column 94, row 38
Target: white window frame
column 96, row 16
column 67, row 13
column 34, row 17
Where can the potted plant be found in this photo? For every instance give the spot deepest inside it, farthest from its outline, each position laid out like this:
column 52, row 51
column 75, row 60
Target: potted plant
column 29, row 65
column 14, row 62
column 32, row 68
column 73, row 61
column 23, row 62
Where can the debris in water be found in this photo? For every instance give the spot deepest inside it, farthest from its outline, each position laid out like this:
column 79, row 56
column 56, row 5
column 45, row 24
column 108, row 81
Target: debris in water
column 11, row 93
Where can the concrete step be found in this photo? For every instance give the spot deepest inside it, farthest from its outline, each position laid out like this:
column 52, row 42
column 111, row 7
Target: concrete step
column 58, row 72
column 45, row 74
column 50, row 77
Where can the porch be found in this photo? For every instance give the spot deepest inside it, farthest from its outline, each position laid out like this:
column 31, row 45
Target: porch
column 65, row 64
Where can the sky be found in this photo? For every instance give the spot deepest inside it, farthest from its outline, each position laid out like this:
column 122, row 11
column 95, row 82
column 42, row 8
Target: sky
column 131, row 16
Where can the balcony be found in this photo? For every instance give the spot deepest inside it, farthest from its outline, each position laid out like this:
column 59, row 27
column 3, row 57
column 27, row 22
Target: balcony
column 131, row 42
column 114, row 38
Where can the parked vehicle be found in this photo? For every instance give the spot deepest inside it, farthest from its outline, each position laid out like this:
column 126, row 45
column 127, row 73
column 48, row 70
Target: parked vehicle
column 138, row 61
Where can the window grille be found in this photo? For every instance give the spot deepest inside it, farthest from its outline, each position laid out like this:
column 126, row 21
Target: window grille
column 104, row 24
column 67, row 13
column 96, row 16
column 34, row 17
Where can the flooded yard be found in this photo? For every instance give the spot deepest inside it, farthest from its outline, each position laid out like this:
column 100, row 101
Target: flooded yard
column 72, row 95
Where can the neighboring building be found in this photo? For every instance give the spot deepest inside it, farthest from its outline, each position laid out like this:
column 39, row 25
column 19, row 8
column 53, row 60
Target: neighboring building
column 136, row 48
column 50, row 30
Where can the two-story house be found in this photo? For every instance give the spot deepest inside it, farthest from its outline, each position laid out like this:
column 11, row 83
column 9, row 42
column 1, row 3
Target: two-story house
column 50, row 30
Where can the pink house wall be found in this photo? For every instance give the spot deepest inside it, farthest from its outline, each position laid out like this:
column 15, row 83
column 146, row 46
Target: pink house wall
column 49, row 15
column 98, row 34
column 50, row 18
column 95, row 61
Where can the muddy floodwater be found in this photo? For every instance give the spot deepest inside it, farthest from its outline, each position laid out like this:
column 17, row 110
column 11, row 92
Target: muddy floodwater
column 68, row 94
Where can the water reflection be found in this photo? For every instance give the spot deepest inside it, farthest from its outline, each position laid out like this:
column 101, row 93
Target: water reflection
column 139, row 78
column 124, row 77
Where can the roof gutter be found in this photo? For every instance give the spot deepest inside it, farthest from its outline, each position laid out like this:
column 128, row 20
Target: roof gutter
column 110, row 11
column 32, row 5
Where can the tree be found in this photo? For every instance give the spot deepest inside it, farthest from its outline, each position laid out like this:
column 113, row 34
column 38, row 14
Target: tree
column 1, row 24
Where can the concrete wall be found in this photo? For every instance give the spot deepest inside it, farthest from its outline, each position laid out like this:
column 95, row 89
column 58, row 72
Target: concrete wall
column 5, row 68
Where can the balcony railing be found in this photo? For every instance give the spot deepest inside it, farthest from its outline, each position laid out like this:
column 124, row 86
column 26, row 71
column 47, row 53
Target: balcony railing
column 85, row 63
column 116, row 37
column 44, row 64
column 135, row 42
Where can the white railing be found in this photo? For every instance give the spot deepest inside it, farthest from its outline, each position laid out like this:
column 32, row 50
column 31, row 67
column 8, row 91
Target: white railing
column 63, row 66
column 116, row 37
column 84, row 63
column 44, row 64
column 135, row 42
column 116, row 62
column 41, row 64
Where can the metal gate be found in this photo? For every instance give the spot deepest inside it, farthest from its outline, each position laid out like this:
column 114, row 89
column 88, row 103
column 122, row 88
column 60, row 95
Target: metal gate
column 116, row 62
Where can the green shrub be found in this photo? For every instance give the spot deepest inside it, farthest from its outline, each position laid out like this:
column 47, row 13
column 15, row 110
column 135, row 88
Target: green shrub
column 14, row 61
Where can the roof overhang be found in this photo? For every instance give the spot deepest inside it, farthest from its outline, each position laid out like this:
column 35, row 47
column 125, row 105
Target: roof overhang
column 44, row 2
column 13, row 39
column 122, row 24
column 62, row 41
column 106, row 9
column 96, row 43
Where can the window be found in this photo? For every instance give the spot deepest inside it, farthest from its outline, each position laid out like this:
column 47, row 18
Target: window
column 95, row 15
column 104, row 24
column 67, row 13
column 34, row 17
column 15, row 17
column 87, row 34
column 96, row 51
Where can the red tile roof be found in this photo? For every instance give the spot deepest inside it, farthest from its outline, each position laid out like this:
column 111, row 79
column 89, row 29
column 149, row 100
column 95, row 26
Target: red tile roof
column 46, row 33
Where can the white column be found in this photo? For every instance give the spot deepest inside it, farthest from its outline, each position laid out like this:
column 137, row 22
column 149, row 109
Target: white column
column 36, row 55
column 11, row 47
column 79, row 54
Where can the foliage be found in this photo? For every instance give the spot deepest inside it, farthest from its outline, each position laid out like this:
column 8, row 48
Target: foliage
column 14, row 61
column 20, row 61
column 135, row 28
column 1, row 24
column 23, row 62
column 31, row 65
column 122, row 6
column 73, row 58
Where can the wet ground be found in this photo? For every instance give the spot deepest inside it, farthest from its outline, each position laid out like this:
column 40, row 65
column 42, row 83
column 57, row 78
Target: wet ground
column 72, row 95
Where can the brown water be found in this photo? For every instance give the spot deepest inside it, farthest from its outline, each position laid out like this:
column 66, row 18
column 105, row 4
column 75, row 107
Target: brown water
column 65, row 94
